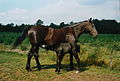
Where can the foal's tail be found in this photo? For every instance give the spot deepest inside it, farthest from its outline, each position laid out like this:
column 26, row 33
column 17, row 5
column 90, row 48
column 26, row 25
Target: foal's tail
column 21, row 38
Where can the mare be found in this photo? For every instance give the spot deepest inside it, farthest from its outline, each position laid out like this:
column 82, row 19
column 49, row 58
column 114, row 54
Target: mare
column 44, row 35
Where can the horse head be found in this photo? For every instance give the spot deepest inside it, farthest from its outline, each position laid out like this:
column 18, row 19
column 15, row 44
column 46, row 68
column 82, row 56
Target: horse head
column 90, row 27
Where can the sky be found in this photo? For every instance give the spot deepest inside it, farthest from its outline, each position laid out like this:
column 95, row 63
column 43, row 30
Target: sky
column 57, row 11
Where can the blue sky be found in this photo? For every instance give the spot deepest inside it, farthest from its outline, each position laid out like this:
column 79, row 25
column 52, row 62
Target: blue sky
column 27, row 4
column 56, row 11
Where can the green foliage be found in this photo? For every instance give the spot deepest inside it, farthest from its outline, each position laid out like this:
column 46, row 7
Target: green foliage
column 107, row 26
column 8, row 37
column 102, row 40
column 39, row 22
column 101, row 51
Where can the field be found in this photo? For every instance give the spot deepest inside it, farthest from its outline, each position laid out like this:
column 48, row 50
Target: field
column 100, row 60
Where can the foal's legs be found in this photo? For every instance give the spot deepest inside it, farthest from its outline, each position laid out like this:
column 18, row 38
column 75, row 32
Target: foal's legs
column 61, row 57
column 71, row 61
column 36, row 58
column 30, row 54
column 71, row 55
column 78, row 60
column 58, row 62
column 75, row 51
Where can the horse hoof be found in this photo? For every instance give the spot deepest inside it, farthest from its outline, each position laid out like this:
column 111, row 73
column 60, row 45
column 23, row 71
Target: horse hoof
column 56, row 70
column 58, row 73
column 29, row 70
column 77, row 71
column 72, row 68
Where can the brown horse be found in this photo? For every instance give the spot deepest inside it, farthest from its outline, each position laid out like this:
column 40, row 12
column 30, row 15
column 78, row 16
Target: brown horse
column 44, row 35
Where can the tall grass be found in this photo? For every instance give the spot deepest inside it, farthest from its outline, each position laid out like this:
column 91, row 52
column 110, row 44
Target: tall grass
column 105, row 50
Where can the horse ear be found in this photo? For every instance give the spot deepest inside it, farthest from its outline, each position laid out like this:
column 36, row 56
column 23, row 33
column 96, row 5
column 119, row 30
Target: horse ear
column 90, row 20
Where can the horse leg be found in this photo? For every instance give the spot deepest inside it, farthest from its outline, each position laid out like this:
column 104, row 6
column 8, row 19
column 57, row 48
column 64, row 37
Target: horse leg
column 71, row 55
column 78, row 61
column 58, row 62
column 30, row 54
column 61, row 57
column 36, row 59
column 71, row 61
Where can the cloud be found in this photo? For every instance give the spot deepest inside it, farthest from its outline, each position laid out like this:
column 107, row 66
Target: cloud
column 14, row 16
column 69, row 10
column 92, row 2
column 64, row 10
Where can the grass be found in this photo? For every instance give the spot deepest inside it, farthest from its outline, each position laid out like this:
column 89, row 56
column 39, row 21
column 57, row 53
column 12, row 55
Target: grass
column 95, row 56
column 8, row 57
column 13, row 69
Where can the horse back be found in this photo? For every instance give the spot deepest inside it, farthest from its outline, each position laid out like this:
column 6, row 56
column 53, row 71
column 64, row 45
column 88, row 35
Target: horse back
column 37, row 34
column 59, row 35
column 55, row 36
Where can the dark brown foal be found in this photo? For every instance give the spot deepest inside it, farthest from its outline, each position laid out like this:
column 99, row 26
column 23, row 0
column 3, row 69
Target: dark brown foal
column 63, row 48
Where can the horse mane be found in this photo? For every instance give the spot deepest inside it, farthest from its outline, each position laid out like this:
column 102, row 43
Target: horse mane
column 76, row 24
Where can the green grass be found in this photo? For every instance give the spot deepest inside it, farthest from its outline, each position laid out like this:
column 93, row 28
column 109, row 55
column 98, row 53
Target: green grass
column 12, row 68
column 8, row 57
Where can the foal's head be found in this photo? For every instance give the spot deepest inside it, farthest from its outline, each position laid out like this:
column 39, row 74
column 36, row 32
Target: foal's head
column 90, row 27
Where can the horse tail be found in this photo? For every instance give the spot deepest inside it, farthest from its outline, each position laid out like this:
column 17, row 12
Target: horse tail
column 21, row 38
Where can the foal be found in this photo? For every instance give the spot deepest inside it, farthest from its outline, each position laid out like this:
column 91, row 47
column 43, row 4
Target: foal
column 61, row 49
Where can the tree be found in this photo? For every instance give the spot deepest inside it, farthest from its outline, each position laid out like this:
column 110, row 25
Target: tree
column 62, row 24
column 39, row 22
column 12, row 24
column 71, row 23
column 53, row 25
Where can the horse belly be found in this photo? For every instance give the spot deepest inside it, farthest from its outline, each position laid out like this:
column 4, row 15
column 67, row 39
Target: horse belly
column 59, row 38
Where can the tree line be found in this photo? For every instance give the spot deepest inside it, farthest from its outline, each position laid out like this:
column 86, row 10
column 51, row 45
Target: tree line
column 103, row 26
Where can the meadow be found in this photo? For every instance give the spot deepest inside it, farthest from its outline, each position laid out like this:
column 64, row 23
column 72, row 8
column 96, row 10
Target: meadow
column 100, row 60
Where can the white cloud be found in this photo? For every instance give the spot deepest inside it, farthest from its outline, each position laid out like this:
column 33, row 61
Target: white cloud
column 63, row 10
column 15, row 16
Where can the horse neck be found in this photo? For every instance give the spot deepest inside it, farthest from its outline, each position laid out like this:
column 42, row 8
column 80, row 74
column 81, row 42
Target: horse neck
column 78, row 30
